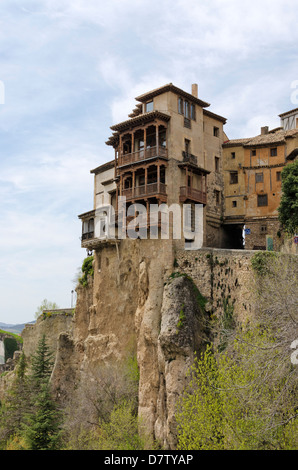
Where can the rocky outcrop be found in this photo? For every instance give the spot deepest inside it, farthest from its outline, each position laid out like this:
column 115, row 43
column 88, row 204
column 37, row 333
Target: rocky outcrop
column 182, row 334
column 143, row 300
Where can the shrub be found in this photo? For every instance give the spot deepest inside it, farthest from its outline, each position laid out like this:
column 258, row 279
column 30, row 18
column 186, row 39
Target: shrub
column 87, row 270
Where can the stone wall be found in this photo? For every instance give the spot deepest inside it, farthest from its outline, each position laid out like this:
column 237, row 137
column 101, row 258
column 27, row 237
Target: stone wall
column 51, row 326
column 222, row 276
column 259, row 228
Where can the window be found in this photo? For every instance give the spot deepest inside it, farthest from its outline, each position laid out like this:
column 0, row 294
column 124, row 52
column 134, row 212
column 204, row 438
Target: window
column 253, row 153
column 233, row 155
column 263, row 229
column 187, row 109
column 273, row 152
column 149, row 106
column 216, row 163
column 278, row 176
column 259, row 177
column 216, row 131
column 187, row 146
column 234, row 203
column 180, row 105
column 233, row 177
column 262, row 200
column 187, row 123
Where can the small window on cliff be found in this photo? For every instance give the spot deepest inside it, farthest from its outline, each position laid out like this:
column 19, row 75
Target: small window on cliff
column 217, row 197
column 216, row 163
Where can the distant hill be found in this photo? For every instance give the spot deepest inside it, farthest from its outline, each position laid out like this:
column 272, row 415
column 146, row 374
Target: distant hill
column 17, row 329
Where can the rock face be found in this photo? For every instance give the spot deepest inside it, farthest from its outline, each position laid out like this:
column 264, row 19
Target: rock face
column 143, row 300
column 181, row 334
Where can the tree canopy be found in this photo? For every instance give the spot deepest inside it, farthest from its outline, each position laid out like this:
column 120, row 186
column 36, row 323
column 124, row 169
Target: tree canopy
column 288, row 209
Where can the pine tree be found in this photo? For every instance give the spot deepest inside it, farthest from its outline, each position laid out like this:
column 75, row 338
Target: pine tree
column 42, row 428
column 42, row 423
column 41, row 362
column 15, row 404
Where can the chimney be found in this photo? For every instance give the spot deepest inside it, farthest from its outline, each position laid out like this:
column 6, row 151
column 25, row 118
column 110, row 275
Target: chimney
column 264, row 130
column 194, row 90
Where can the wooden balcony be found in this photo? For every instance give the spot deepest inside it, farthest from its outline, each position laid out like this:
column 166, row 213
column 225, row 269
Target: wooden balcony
column 187, row 193
column 144, row 191
column 141, row 155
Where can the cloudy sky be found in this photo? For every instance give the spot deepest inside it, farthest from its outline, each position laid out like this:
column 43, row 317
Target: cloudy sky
column 69, row 69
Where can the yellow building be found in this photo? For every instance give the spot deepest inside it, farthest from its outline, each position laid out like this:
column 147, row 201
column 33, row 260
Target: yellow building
column 168, row 151
column 252, row 185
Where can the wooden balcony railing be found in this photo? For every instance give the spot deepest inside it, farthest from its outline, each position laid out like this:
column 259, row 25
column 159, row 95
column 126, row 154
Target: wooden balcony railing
column 192, row 194
column 87, row 236
column 141, row 155
column 145, row 190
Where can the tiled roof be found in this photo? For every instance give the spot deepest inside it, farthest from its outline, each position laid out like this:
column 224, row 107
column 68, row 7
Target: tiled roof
column 170, row 87
column 104, row 167
column 235, row 142
column 139, row 119
column 288, row 113
column 217, row 117
column 271, row 138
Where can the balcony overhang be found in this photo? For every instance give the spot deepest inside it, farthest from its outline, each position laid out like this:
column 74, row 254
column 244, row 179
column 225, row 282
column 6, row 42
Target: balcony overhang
column 87, row 215
column 191, row 194
column 194, row 168
column 96, row 243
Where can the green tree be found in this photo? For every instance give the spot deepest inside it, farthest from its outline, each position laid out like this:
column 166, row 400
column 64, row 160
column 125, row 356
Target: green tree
column 41, row 431
column 199, row 416
column 238, row 399
column 15, row 404
column 41, row 426
column 41, row 362
column 121, row 432
column 288, row 209
column 87, row 270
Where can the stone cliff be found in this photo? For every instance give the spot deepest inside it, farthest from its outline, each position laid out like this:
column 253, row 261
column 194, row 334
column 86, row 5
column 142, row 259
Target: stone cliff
column 145, row 299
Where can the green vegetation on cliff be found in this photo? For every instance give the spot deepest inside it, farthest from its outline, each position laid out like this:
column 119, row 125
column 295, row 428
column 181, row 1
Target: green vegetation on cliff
column 244, row 396
column 87, row 270
column 288, row 209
